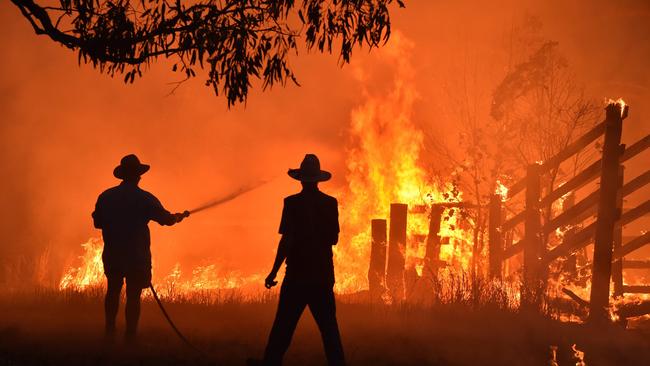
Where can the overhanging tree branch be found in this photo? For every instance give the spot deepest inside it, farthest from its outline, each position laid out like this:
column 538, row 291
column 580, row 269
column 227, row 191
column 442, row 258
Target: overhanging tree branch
column 235, row 40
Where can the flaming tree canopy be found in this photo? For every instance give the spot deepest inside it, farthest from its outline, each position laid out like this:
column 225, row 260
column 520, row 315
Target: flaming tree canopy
column 233, row 40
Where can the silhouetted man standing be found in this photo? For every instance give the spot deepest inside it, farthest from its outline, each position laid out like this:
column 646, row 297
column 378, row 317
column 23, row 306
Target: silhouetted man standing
column 309, row 228
column 123, row 212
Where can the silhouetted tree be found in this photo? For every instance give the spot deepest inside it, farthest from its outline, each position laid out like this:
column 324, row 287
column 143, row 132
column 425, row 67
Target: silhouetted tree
column 535, row 110
column 541, row 109
column 233, row 39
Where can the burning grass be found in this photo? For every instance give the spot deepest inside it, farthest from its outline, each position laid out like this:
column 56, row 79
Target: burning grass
column 208, row 286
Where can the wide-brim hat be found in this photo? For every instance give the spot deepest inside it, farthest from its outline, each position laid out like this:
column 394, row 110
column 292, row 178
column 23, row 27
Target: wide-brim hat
column 310, row 171
column 130, row 167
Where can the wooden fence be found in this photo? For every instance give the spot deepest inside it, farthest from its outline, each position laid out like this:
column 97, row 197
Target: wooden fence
column 605, row 232
column 387, row 266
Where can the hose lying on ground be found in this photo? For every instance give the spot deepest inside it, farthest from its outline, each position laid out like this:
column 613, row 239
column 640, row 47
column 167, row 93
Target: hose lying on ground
column 171, row 323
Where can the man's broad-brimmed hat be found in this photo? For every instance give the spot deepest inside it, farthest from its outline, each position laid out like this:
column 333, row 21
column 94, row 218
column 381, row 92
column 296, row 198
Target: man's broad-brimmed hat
column 130, row 167
column 309, row 170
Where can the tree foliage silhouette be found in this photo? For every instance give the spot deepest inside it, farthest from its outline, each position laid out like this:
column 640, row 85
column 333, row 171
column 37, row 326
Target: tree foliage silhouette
column 232, row 40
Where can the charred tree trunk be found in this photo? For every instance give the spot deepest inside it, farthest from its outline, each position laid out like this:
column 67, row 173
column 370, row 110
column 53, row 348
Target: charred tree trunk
column 377, row 270
column 396, row 250
column 607, row 215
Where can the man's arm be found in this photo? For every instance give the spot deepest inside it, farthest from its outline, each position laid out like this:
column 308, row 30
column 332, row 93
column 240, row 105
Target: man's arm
column 98, row 217
column 280, row 256
column 335, row 229
column 283, row 246
column 164, row 217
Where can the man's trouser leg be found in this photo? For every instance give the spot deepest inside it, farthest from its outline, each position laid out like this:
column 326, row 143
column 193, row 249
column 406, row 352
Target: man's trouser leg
column 112, row 302
column 323, row 307
column 132, row 312
column 290, row 306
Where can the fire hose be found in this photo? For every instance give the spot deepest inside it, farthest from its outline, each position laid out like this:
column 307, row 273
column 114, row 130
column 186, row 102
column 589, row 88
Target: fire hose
column 171, row 323
column 210, row 204
column 221, row 200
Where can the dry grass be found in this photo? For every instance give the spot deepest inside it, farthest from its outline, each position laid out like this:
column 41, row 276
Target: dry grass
column 46, row 327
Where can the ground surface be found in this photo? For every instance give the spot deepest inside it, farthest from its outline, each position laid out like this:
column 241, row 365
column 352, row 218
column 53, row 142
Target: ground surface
column 49, row 329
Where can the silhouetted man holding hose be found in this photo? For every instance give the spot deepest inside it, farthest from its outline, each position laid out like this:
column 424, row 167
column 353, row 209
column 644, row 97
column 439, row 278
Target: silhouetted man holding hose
column 309, row 228
column 123, row 212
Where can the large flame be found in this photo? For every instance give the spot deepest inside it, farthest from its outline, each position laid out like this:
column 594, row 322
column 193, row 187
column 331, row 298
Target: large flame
column 384, row 167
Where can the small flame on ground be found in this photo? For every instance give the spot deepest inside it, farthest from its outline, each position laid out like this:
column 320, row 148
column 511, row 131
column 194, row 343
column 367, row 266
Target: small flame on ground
column 553, row 360
column 90, row 273
column 578, row 356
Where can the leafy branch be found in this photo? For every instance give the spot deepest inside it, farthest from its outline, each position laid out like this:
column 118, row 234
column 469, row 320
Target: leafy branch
column 233, row 40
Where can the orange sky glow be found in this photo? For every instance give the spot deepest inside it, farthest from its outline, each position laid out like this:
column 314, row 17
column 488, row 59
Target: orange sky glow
column 64, row 127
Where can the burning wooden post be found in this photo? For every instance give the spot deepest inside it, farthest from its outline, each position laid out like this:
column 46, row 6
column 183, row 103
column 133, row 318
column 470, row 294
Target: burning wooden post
column 607, row 213
column 377, row 270
column 432, row 254
column 495, row 239
column 396, row 250
column 533, row 244
column 617, row 266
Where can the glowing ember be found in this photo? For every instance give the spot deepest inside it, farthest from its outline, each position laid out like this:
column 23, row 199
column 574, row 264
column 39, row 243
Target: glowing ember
column 553, row 360
column 578, row 356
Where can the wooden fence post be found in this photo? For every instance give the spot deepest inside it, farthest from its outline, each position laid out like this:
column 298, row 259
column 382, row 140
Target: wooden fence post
column 607, row 214
column 495, row 238
column 377, row 270
column 617, row 266
column 432, row 253
column 571, row 264
column 533, row 249
column 396, row 250
column 508, row 238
